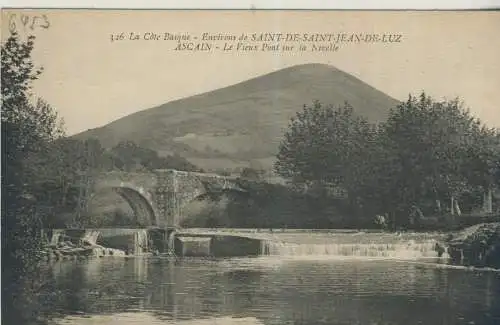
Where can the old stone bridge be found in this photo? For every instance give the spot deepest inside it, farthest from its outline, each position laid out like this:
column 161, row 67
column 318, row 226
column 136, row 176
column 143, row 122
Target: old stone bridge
column 158, row 197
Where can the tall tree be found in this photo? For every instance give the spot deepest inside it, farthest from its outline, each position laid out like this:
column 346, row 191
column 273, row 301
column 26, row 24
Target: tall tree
column 482, row 165
column 427, row 153
column 27, row 129
column 441, row 149
column 322, row 146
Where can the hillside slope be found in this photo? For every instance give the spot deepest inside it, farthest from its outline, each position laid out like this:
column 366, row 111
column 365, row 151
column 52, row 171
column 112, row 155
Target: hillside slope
column 242, row 124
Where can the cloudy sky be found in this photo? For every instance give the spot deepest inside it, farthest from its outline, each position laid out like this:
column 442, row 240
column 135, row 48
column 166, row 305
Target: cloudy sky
column 92, row 80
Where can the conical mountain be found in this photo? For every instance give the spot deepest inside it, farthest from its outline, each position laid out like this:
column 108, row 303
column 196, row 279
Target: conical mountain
column 242, row 124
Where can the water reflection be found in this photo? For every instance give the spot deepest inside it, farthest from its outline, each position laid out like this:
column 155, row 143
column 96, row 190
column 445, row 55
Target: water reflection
column 291, row 292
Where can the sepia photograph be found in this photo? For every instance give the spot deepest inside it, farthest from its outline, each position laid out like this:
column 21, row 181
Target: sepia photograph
column 257, row 167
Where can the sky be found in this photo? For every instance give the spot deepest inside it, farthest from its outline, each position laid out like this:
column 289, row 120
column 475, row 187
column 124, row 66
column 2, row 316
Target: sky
column 91, row 80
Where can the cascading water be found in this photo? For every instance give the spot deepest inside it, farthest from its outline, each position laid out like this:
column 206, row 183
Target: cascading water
column 56, row 236
column 397, row 248
column 141, row 242
column 90, row 237
column 171, row 243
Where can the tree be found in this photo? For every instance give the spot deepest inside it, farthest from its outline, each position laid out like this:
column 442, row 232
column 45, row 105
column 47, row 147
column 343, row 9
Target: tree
column 482, row 166
column 426, row 153
column 27, row 130
column 322, row 146
column 60, row 173
column 440, row 150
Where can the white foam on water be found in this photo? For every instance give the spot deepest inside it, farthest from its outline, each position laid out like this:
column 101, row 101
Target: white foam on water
column 146, row 318
column 56, row 236
column 141, row 242
column 91, row 236
column 409, row 249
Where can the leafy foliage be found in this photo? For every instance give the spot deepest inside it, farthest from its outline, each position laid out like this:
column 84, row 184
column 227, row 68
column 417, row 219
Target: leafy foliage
column 305, row 156
column 440, row 150
column 128, row 156
column 40, row 168
column 425, row 153
column 28, row 128
column 477, row 245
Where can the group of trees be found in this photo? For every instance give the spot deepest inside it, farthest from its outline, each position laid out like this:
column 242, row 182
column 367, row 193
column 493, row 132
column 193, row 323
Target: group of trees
column 426, row 158
column 40, row 164
column 40, row 167
column 262, row 206
column 29, row 126
column 68, row 162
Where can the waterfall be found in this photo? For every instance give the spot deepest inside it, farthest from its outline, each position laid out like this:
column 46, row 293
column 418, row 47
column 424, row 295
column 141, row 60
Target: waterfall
column 400, row 250
column 141, row 242
column 56, row 236
column 171, row 243
column 90, row 237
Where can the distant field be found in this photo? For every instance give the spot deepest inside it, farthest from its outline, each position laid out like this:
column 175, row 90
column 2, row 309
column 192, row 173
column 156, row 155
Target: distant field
column 234, row 143
column 212, row 164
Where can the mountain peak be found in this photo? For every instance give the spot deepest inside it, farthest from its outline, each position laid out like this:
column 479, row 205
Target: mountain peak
column 243, row 123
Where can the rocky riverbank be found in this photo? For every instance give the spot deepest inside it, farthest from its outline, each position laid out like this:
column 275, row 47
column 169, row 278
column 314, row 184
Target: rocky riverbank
column 478, row 245
column 79, row 243
column 68, row 250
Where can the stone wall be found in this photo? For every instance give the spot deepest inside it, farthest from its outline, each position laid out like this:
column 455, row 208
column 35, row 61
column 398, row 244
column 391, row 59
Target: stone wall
column 161, row 196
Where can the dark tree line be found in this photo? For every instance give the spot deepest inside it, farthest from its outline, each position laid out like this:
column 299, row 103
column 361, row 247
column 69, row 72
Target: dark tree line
column 428, row 158
column 28, row 128
column 70, row 160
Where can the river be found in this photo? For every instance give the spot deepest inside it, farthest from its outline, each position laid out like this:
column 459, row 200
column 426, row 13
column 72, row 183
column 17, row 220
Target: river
column 273, row 290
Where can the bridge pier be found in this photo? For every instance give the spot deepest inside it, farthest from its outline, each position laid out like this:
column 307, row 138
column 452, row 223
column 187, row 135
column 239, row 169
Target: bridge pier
column 163, row 238
column 170, row 240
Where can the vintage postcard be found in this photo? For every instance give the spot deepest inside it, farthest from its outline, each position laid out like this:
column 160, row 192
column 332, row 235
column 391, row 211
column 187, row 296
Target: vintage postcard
column 250, row 167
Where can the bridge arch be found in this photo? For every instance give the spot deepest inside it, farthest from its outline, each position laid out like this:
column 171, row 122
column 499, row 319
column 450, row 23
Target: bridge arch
column 159, row 197
column 138, row 199
column 195, row 189
column 209, row 194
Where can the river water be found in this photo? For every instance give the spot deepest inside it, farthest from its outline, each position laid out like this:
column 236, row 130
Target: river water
column 311, row 284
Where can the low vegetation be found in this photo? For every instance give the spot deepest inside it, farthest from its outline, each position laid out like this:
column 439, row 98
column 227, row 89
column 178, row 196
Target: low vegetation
column 478, row 245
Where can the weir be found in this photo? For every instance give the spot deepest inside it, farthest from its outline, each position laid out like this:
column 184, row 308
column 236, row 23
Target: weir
column 409, row 250
column 311, row 244
column 372, row 245
column 91, row 237
column 56, row 236
column 227, row 243
column 141, row 242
